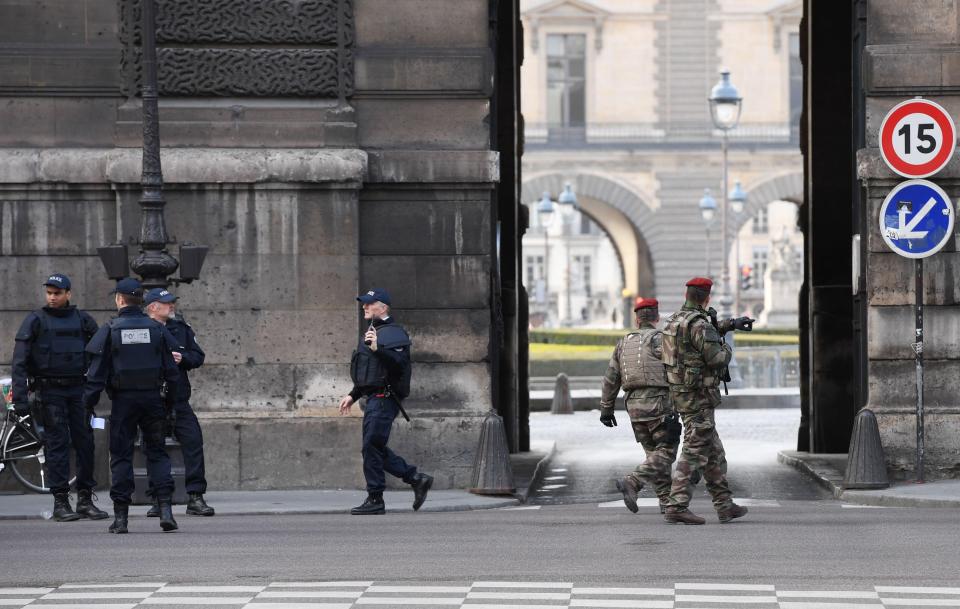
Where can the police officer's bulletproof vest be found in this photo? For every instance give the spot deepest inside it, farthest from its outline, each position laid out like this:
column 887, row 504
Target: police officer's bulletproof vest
column 685, row 366
column 135, row 343
column 639, row 366
column 367, row 372
column 58, row 349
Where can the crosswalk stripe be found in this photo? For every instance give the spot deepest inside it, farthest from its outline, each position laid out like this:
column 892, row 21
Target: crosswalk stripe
column 823, row 605
column 26, row 590
column 195, row 589
column 76, row 596
column 707, row 598
column 920, row 602
column 298, row 606
column 916, row 590
column 311, row 594
column 861, row 507
column 121, row 585
column 84, row 605
column 826, row 594
column 15, row 602
column 500, row 606
column 520, row 508
column 388, row 600
column 743, row 587
column 197, row 600
column 320, row 584
column 520, row 596
column 636, row 591
column 641, row 501
column 628, row 604
column 546, row 585
column 421, row 589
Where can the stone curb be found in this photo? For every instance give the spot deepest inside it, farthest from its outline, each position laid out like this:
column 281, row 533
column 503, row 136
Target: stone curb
column 826, row 474
column 538, row 473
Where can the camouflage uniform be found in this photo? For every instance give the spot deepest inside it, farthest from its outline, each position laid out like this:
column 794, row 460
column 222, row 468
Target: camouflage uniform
column 695, row 357
column 637, row 366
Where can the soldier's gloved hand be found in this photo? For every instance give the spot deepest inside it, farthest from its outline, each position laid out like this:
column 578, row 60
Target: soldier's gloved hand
column 726, row 325
column 744, row 324
column 21, row 408
column 607, row 417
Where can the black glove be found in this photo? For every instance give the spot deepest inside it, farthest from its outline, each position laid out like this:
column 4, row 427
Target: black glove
column 607, row 417
column 744, row 324
column 21, row 408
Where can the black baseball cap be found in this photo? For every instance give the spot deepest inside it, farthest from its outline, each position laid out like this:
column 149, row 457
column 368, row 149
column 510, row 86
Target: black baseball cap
column 128, row 286
column 374, row 295
column 58, row 280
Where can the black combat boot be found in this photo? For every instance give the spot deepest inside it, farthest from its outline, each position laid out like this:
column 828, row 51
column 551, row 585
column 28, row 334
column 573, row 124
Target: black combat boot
column 629, row 487
column 421, row 486
column 154, row 511
column 86, row 507
column 167, row 523
column 62, row 512
column 120, row 513
column 679, row 515
column 373, row 505
column 734, row 511
column 196, row 506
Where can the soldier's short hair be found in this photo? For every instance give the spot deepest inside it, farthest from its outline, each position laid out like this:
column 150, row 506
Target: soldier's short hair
column 697, row 295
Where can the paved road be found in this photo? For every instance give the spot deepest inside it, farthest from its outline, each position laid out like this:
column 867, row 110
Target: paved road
column 795, row 539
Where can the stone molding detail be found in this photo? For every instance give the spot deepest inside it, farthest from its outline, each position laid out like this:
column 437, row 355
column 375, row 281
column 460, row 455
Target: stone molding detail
column 248, row 72
column 241, row 48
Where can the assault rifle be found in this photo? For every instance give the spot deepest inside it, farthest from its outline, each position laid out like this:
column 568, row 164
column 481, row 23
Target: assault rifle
column 744, row 324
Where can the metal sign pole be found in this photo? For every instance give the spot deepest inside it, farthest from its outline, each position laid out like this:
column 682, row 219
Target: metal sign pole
column 918, row 350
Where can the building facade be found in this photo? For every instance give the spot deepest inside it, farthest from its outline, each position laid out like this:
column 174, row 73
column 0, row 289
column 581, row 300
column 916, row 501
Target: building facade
column 319, row 148
column 615, row 103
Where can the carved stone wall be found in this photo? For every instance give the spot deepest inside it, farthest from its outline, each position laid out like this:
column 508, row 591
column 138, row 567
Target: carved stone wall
column 256, row 48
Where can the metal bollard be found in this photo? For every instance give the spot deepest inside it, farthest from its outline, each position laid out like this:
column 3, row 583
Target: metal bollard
column 866, row 464
column 562, row 402
column 492, row 472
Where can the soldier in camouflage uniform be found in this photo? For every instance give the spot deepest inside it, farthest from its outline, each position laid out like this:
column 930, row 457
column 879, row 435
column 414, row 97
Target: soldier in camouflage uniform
column 696, row 358
column 636, row 366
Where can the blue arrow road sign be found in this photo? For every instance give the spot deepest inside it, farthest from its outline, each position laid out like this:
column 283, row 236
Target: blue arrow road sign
column 916, row 219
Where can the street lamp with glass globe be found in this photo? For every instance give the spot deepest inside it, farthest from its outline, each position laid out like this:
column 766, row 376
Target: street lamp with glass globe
column 568, row 204
column 708, row 209
column 725, row 108
column 545, row 214
column 738, row 199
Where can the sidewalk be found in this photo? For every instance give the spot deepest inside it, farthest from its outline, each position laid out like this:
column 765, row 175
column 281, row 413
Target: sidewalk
column 829, row 469
column 528, row 468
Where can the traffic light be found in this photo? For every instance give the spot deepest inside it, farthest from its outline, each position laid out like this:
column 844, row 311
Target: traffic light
column 745, row 277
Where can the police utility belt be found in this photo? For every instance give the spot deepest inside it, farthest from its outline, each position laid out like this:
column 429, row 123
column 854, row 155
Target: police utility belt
column 58, row 381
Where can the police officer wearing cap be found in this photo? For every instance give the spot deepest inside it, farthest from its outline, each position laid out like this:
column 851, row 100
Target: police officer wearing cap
column 380, row 370
column 161, row 306
column 132, row 358
column 637, row 367
column 49, row 358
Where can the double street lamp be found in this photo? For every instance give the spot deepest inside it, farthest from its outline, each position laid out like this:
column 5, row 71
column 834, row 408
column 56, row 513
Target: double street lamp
column 725, row 108
column 546, row 211
column 153, row 264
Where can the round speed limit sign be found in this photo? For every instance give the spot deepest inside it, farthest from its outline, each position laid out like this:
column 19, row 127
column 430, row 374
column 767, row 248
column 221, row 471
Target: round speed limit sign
column 917, row 138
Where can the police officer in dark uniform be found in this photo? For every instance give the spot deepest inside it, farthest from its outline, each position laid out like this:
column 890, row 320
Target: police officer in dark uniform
column 133, row 361
column 49, row 356
column 161, row 305
column 380, row 369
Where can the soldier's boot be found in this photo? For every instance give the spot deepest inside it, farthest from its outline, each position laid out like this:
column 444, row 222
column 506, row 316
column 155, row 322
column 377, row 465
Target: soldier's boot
column 120, row 515
column 629, row 487
column 734, row 511
column 196, row 506
column 86, row 508
column 154, row 511
column 167, row 522
column 678, row 515
column 421, row 486
column 373, row 505
column 62, row 512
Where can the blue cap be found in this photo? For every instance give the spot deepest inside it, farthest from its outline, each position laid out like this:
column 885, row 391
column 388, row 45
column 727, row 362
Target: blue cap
column 58, row 280
column 158, row 295
column 129, row 286
column 374, row 295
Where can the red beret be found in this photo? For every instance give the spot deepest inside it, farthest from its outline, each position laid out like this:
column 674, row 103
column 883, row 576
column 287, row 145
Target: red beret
column 703, row 283
column 645, row 303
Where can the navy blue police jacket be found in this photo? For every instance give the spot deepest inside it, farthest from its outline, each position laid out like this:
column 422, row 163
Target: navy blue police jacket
column 193, row 355
column 24, row 364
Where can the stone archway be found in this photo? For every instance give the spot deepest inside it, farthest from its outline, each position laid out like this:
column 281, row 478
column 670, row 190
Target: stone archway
column 784, row 187
column 619, row 210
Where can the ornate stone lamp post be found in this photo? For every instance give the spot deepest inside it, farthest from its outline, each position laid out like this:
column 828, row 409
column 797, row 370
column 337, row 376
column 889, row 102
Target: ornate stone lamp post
column 153, row 264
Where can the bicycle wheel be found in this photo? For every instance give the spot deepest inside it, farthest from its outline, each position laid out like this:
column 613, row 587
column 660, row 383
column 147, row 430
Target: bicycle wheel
column 23, row 452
